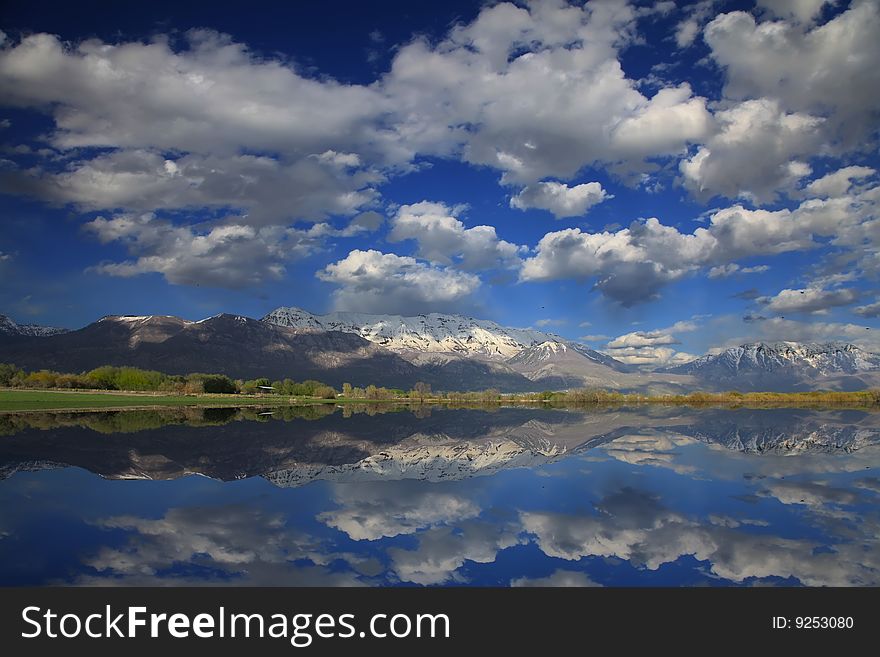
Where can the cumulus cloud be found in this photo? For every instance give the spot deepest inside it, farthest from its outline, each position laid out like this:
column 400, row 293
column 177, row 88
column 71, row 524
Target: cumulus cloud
column 196, row 124
column 808, row 300
column 371, row 281
column 652, row 348
column 263, row 190
column 807, row 69
column 621, row 261
column 838, row 183
column 643, row 339
column 754, row 154
column 631, row 265
column 229, row 255
column 559, row 198
column 650, row 357
column 444, row 239
column 207, row 95
column 538, row 92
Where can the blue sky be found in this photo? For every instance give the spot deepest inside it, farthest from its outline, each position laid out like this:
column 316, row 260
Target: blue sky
column 659, row 179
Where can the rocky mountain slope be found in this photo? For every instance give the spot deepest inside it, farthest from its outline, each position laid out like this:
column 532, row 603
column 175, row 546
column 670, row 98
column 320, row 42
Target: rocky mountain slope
column 9, row 328
column 434, row 333
column 787, row 365
column 458, row 348
column 225, row 344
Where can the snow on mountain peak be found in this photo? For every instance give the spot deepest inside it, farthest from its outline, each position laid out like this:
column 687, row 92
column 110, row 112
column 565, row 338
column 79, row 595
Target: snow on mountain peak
column 9, row 327
column 432, row 333
column 823, row 358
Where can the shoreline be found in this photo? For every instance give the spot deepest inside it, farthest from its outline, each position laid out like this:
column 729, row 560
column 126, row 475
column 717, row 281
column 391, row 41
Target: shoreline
column 17, row 400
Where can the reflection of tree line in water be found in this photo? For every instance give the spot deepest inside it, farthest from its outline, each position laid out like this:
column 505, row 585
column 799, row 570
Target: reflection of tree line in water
column 128, row 421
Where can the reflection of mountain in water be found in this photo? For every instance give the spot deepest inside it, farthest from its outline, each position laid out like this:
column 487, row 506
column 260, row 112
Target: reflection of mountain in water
column 295, row 445
column 786, row 431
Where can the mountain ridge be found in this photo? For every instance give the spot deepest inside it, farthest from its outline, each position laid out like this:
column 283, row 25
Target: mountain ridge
column 450, row 352
column 9, row 327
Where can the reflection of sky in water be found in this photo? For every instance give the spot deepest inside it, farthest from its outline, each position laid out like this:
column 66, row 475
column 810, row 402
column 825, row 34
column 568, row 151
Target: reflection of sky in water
column 648, row 506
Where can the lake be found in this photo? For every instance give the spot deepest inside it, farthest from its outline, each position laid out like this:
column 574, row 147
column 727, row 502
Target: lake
column 385, row 496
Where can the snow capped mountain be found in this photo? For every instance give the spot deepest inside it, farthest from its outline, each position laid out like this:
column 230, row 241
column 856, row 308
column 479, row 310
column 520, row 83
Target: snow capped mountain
column 9, row 327
column 559, row 364
column 434, row 333
column 819, row 358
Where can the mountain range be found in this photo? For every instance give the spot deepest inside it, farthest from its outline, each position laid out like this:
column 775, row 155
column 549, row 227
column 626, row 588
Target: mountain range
column 9, row 328
column 451, row 352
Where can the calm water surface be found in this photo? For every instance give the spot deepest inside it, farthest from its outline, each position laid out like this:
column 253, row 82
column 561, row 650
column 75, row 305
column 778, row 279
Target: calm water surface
column 433, row 496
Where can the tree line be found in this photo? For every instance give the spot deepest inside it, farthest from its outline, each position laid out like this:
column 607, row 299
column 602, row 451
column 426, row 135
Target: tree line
column 135, row 379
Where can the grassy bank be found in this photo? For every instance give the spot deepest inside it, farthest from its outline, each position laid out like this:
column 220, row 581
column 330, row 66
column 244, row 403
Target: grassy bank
column 26, row 400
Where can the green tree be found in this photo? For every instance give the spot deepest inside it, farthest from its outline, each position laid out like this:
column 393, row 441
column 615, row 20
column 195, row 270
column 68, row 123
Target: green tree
column 421, row 391
column 8, row 373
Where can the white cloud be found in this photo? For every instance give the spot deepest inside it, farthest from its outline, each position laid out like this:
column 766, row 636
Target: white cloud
column 595, row 337
column 442, row 238
column 810, row 300
column 652, row 348
column 210, row 96
column 869, row 310
column 538, row 92
column 754, row 154
column 650, row 357
column 374, row 512
column 262, row 189
column 371, row 281
column 829, row 70
column 544, row 323
column 632, row 525
column 558, row 578
column 837, row 183
column 632, row 264
column 689, row 27
column 245, row 544
column 723, row 271
column 441, row 551
column 801, row 10
column 559, row 198
column 228, row 255
column 643, row 339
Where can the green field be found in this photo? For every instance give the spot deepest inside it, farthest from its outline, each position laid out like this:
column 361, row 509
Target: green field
column 50, row 400
column 40, row 400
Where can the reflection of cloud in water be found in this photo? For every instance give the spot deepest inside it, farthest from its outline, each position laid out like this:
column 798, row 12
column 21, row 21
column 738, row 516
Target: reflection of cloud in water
column 568, row 578
column 868, row 483
column 810, row 493
column 374, row 511
column 238, row 541
column 443, row 550
column 656, row 450
column 632, row 525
